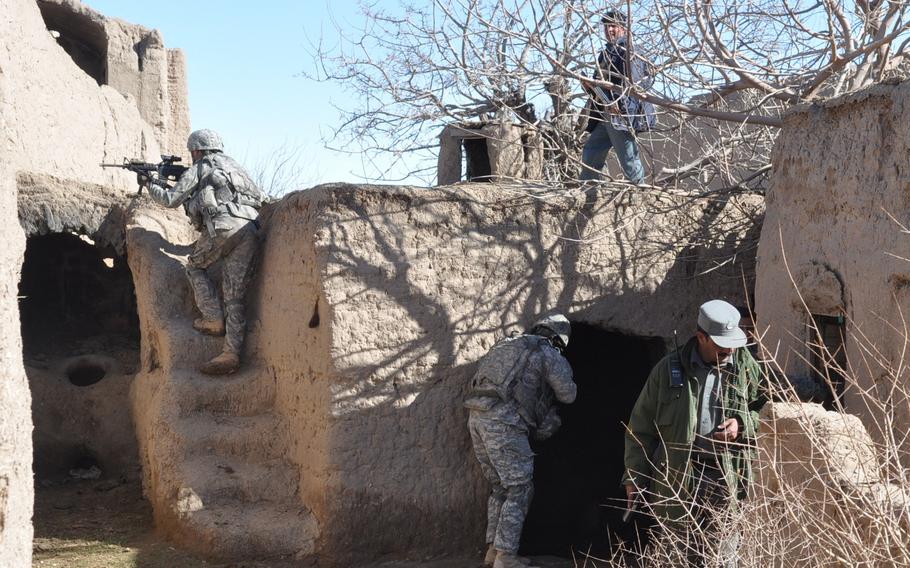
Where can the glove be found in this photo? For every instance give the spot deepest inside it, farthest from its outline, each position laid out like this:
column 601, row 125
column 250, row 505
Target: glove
column 145, row 178
column 548, row 426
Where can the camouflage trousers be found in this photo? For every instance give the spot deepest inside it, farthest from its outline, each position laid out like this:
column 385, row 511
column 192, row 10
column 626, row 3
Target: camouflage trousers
column 506, row 460
column 236, row 249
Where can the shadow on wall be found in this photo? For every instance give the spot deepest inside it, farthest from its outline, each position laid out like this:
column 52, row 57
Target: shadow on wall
column 475, row 277
column 440, row 275
column 80, row 332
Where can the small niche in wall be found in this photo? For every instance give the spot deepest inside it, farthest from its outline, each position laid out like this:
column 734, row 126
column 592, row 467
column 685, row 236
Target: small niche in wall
column 829, row 356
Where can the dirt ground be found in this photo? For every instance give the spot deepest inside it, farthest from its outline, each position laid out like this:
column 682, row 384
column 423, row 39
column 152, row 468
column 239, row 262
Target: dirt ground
column 103, row 524
column 107, row 524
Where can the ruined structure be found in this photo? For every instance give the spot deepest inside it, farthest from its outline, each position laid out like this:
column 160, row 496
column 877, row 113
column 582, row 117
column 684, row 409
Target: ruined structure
column 344, row 437
column 16, row 492
column 833, row 266
column 343, row 440
column 822, row 485
column 493, row 151
column 676, row 153
column 76, row 89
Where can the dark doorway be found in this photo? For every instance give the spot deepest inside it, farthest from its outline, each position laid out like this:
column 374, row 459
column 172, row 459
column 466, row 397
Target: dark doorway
column 73, row 292
column 577, row 474
column 80, row 340
column 477, row 159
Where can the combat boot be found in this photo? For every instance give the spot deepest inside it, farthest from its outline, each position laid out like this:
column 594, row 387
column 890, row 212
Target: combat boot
column 490, row 557
column 224, row 364
column 511, row 560
column 209, row 326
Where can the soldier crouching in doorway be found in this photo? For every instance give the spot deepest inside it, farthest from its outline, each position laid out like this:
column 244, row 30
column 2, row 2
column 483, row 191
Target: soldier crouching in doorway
column 511, row 398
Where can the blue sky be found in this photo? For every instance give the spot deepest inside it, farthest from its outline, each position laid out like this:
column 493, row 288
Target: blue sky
column 245, row 64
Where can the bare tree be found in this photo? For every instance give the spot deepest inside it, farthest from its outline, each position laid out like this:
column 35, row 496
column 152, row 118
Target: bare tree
column 724, row 72
column 284, row 169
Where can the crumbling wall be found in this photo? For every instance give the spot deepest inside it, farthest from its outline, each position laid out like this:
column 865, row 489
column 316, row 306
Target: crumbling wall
column 494, row 151
column 61, row 122
column 178, row 97
column 374, row 303
column 131, row 59
column 834, row 240
column 154, row 77
column 821, row 485
column 60, row 119
column 16, row 491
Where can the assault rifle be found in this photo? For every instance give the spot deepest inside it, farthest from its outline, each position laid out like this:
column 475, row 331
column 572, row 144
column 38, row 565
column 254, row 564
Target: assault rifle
column 167, row 168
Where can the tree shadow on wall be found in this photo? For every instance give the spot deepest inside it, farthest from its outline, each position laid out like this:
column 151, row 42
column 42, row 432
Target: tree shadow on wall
column 444, row 274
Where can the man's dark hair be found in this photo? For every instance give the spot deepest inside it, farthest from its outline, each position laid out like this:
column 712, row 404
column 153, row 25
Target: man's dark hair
column 613, row 17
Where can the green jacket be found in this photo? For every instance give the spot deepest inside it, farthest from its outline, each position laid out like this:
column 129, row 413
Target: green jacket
column 662, row 426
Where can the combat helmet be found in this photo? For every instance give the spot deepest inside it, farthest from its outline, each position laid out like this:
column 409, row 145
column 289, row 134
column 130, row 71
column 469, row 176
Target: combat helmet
column 204, row 140
column 553, row 325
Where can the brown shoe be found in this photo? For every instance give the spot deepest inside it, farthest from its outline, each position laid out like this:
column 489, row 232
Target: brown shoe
column 209, row 326
column 224, row 364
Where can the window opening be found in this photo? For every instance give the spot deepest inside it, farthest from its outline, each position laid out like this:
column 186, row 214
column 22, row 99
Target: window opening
column 829, row 359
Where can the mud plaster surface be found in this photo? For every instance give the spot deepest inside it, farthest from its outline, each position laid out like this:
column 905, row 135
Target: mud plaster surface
column 371, row 305
column 410, row 287
column 833, row 242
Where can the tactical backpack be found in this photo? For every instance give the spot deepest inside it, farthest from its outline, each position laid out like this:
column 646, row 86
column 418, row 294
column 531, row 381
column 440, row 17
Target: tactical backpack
column 502, row 366
column 227, row 174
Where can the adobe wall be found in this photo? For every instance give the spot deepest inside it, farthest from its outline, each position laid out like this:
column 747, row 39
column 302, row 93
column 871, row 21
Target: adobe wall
column 60, row 118
column 822, row 485
column 834, row 241
column 131, row 59
column 63, row 139
column 374, row 302
column 16, row 491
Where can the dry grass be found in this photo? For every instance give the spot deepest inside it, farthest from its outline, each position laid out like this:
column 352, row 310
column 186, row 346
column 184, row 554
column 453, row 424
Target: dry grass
column 831, row 490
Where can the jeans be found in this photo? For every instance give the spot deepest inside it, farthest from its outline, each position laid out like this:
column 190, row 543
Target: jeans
column 598, row 146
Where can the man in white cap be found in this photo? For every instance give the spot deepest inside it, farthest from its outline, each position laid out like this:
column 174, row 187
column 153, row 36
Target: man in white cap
column 690, row 438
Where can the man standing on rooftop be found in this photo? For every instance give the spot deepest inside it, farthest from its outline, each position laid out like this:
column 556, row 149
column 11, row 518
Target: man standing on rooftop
column 614, row 115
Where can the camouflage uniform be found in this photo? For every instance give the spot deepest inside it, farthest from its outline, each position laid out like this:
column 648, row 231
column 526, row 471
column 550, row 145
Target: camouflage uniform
column 499, row 433
column 227, row 221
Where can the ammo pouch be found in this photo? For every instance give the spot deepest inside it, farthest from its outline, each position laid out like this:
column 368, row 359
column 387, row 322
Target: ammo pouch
column 234, row 210
column 499, row 373
column 234, row 190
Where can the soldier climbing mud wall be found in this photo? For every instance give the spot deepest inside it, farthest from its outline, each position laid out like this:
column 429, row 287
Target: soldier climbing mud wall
column 223, row 203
